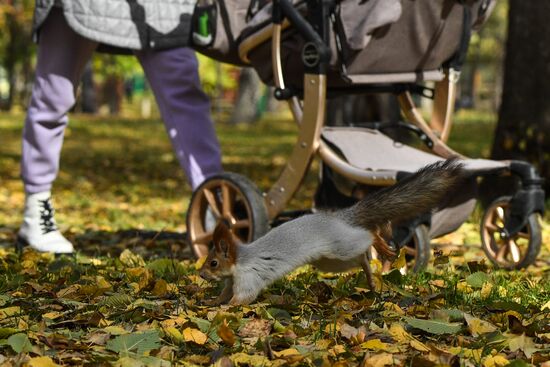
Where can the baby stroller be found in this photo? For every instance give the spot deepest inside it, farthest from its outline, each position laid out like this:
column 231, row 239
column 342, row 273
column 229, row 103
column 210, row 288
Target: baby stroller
column 311, row 50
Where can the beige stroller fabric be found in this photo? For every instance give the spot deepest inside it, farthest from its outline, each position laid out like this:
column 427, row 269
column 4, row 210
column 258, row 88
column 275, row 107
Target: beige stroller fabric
column 373, row 151
column 364, row 17
column 413, row 37
column 426, row 35
column 391, row 41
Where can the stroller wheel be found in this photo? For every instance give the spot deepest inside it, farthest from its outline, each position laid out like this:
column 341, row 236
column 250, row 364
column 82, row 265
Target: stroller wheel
column 227, row 197
column 515, row 252
column 416, row 242
column 418, row 249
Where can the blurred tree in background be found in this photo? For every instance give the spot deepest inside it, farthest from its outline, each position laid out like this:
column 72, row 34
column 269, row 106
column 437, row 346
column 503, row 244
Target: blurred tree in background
column 111, row 78
column 15, row 52
column 105, row 81
column 524, row 115
column 481, row 81
column 111, row 72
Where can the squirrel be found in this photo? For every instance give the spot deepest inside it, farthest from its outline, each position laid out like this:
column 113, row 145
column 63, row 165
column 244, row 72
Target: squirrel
column 331, row 241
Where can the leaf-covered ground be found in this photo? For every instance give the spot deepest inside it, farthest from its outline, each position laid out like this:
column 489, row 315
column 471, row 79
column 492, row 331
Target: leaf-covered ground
column 132, row 296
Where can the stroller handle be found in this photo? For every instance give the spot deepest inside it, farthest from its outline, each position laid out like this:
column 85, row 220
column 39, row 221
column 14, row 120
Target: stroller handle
column 296, row 19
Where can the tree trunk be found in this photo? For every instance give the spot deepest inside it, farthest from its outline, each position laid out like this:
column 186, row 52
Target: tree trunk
column 523, row 130
column 10, row 61
column 12, row 86
column 248, row 95
column 88, row 96
column 113, row 93
column 469, row 83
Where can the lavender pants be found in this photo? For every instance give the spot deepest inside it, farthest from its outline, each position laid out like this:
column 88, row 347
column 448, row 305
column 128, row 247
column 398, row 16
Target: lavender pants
column 172, row 74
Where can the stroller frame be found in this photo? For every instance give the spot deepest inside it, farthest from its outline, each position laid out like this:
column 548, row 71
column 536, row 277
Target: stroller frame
column 521, row 210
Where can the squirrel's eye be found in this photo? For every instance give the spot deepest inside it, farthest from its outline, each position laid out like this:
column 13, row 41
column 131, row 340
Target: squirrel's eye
column 213, row 263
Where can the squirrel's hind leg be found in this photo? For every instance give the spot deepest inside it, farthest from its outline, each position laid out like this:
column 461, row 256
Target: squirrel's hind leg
column 365, row 264
column 382, row 235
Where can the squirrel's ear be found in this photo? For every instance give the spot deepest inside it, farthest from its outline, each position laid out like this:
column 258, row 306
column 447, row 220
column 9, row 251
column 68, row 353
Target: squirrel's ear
column 224, row 241
column 220, row 232
column 228, row 247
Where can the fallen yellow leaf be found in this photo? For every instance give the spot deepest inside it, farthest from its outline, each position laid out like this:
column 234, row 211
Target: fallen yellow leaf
column 332, row 328
column 478, row 326
column 523, row 343
column 200, row 262
column 128, row 258
column 418, row 345
column 69, row 292
column 52, row 315
column 226, row 334
column 161, row 288
column 374, row 344
column 9, row 311
column 174, row 334
column 391, row 309
column 464, row 287
column 291, row 354
column 401, row 260
column 195, row 336
column 439, row 283
column 323, row 344
column 102, row 283
column 376, row 266
column 141, row 276
column 486, row 290
column 195, row 279
column 399, row 334
column 337, row 349
column 378, row 360
column 41, row 362
column 177, row 321
column 495, row 361
column 474, row 354
column 249, row 360
column 200, row 360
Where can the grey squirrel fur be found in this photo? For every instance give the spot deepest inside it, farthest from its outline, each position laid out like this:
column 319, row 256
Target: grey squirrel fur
column 331, row 241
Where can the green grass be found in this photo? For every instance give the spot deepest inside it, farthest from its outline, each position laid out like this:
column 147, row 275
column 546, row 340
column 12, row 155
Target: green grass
column 472, row 133
column 120, row 188
column 119, row 174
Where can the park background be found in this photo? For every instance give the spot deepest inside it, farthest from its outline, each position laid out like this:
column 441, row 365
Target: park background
column 121, row 197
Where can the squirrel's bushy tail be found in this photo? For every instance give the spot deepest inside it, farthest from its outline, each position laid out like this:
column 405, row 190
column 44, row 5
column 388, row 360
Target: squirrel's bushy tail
column 410, row 197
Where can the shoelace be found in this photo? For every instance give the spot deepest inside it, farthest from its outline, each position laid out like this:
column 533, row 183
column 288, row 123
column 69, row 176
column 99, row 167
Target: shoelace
column 47, row 223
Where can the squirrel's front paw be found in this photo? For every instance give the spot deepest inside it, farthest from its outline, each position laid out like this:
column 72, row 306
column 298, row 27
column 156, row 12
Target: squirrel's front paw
column 213, row 302
column 222, row 298
column 236, row 301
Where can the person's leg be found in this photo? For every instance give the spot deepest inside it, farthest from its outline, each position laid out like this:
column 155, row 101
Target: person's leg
column 185, row 109
column 62, row 55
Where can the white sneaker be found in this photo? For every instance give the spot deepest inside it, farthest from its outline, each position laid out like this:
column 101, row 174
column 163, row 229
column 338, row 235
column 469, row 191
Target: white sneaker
column 39, row 230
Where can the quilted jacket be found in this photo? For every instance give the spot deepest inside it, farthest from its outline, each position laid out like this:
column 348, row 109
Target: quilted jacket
column 128, row 24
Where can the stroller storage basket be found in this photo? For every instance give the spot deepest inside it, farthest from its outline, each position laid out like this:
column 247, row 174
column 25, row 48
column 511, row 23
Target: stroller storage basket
column 409, row 45
column 371, row 41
